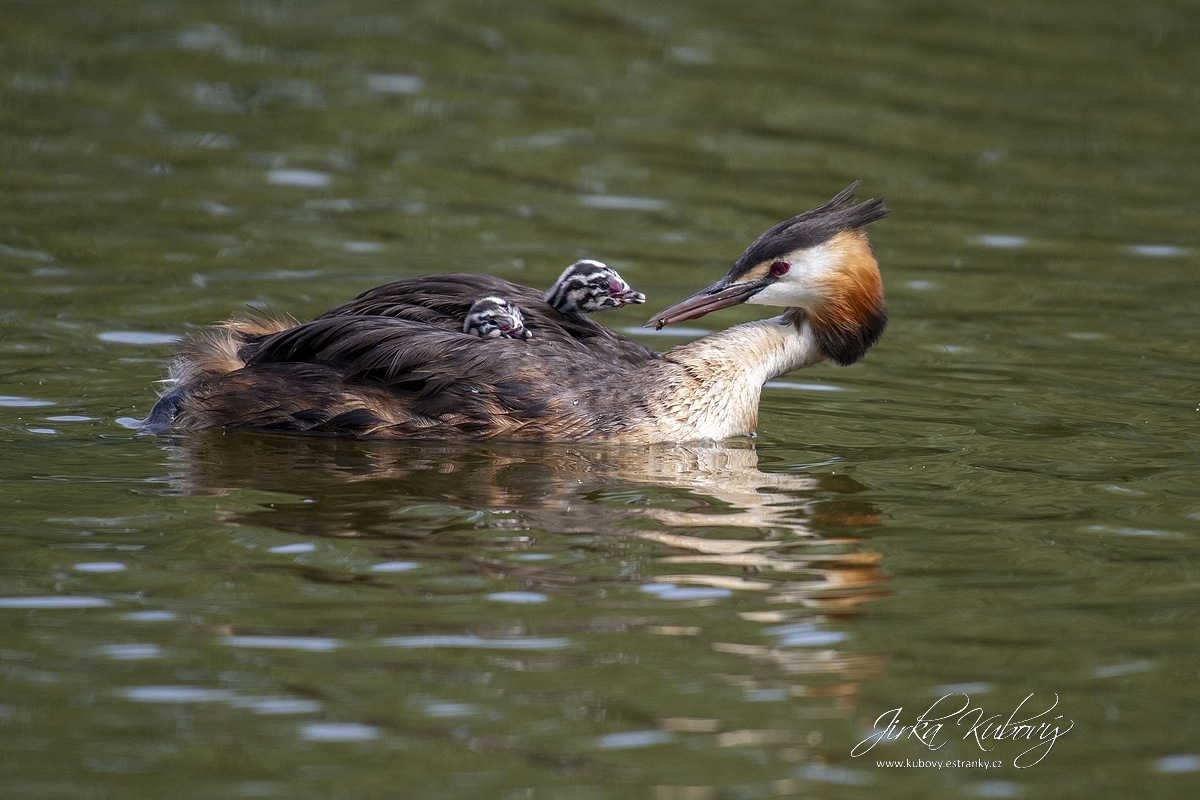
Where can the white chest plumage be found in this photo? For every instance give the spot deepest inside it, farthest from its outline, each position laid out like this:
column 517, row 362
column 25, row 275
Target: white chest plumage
column 713, row 385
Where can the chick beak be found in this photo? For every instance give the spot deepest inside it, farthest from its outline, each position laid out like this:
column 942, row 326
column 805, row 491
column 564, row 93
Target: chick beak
column 720, row 295
column 629, row 296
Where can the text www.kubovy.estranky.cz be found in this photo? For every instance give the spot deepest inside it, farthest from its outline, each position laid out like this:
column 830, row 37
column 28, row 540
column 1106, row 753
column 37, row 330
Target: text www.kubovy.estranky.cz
column 920, row 763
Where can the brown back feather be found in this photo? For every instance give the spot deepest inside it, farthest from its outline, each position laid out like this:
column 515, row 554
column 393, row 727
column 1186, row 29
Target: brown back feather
column 383, row 376
column 444, row 300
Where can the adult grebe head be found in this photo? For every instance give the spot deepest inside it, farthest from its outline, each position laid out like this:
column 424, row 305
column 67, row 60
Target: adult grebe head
column 819, row 262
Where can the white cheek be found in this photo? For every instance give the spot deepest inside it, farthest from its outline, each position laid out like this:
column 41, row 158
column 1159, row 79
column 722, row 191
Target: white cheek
column 801, row 287
column 784, row 294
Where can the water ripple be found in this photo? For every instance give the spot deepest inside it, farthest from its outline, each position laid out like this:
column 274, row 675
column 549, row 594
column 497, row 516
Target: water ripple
column 311, row 644
column 299, row 177
column 53, row 601
column 12, row 401
column 465, row 641
column 137, row 337
column 394, row 84
column 618, row 203
column 175, row 694
column 630, row 739
column 339, row 732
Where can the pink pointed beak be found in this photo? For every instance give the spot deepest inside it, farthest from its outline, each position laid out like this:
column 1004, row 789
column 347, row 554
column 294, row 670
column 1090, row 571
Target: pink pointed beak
column 715, row 297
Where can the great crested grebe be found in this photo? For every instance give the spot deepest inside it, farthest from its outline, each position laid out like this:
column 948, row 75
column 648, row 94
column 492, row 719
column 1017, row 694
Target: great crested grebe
column 395, row 363
column 584, row 287
column 495, row 318
column 588, row 286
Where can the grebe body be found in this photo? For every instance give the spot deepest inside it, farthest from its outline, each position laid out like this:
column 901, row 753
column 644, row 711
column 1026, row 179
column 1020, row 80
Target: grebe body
column 395, row 362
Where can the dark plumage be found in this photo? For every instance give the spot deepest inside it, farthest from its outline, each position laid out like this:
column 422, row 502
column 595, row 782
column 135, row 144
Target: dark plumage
column 395, row 361
column 443, row 301
column 376, row 375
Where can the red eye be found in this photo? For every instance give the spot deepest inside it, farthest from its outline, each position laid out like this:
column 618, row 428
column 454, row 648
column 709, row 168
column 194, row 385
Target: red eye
column 780, row 268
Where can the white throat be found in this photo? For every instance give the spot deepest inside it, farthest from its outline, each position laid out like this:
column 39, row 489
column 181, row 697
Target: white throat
column 717, row 381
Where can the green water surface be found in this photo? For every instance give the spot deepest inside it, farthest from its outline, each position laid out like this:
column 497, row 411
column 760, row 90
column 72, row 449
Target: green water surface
column 1002, row 500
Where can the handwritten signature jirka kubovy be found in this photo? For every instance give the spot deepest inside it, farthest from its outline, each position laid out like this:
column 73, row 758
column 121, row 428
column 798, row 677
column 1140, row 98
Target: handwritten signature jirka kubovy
column 985, row 729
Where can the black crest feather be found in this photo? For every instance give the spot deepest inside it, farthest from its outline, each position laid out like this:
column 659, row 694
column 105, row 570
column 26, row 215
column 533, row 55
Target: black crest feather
column 812, row 228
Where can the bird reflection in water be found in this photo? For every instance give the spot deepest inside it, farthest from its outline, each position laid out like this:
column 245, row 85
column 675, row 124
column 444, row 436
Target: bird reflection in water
column 699, row 518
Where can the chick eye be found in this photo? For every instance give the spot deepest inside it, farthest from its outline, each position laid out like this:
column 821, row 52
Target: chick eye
column 780, row 268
